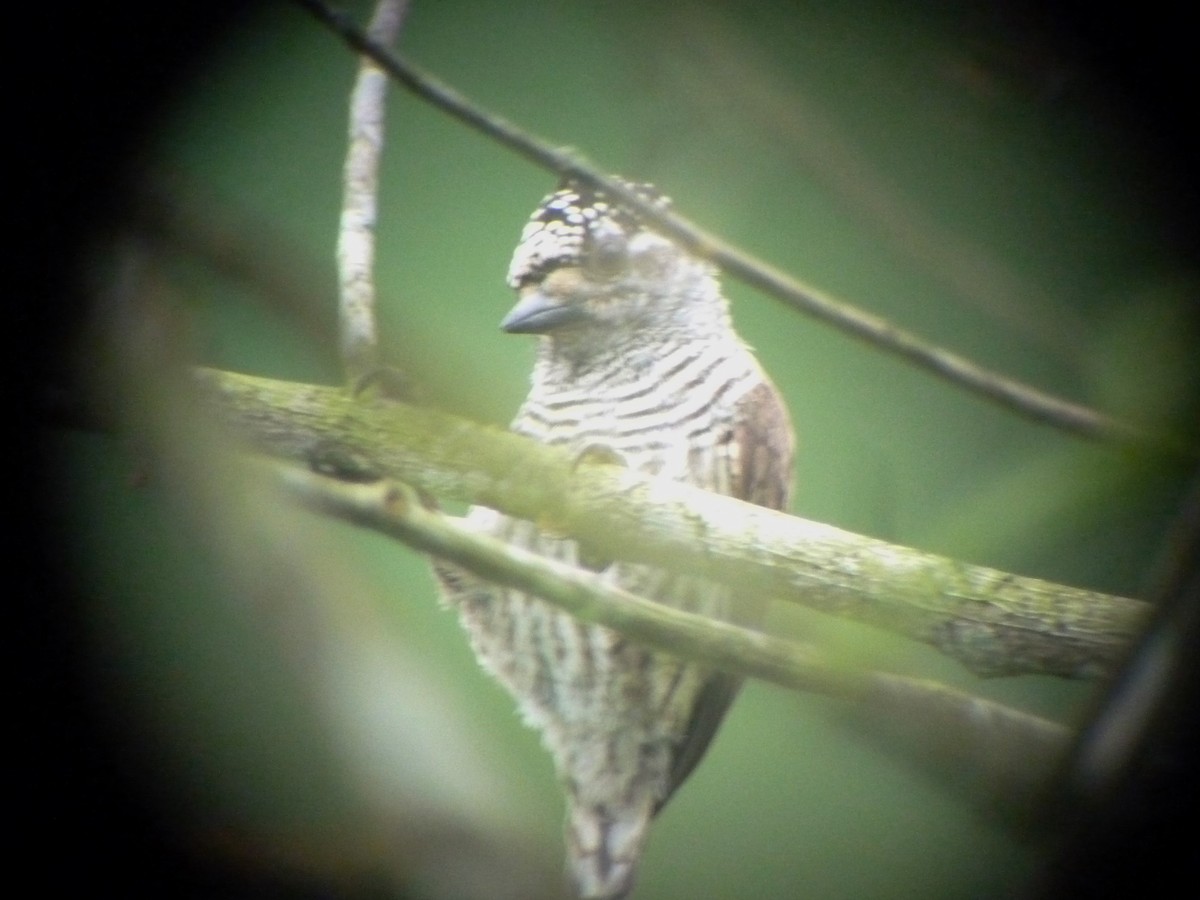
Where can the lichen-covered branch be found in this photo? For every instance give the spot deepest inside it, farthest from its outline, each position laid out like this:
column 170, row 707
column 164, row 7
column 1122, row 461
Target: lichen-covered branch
column 360, row 178
column 1008, row 756
column 993, row 622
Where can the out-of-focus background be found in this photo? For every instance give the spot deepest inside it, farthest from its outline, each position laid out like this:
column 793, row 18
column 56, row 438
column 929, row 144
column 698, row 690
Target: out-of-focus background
column 286, row 692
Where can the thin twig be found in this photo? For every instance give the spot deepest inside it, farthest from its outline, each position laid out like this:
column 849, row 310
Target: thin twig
column 356, row 235
column 1007, row 392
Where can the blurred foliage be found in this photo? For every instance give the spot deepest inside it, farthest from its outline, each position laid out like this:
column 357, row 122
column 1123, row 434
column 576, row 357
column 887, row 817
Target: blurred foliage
column 950, row 168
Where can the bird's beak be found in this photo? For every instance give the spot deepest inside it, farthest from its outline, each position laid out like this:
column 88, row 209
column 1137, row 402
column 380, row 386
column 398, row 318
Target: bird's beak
column 540, row 313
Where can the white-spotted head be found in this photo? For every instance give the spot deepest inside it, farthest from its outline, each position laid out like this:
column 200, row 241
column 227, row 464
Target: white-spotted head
column 586, row 265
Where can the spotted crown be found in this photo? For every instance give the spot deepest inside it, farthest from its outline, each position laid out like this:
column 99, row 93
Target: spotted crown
column 566, row 222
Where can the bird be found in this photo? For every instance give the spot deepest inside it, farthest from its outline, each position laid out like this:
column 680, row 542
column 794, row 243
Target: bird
column 637, row 364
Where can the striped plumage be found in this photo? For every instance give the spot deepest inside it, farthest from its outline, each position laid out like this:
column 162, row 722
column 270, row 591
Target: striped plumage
column 637, row 362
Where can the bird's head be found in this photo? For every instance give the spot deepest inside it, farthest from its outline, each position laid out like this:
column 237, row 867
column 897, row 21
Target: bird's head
column 587, row 268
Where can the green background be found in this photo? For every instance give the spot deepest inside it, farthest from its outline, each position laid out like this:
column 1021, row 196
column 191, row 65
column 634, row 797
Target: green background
column 955, row 173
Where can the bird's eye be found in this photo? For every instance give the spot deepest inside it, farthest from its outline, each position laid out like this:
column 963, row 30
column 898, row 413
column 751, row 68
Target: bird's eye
column 607, row 255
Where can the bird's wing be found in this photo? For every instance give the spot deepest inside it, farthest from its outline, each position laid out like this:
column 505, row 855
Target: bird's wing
column 763, row 448
column 761, row 473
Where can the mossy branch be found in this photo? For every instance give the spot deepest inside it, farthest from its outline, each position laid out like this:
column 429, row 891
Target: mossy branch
column 993, row 622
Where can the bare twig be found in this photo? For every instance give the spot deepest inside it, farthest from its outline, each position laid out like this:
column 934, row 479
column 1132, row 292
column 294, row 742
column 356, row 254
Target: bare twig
column 1009, row 393
column 356, row 236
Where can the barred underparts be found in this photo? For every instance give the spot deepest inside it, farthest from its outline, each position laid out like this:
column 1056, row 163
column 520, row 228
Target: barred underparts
column 638, row 362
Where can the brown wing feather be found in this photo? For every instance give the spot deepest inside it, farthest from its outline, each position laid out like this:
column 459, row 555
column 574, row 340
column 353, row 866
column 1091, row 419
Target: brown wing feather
column 763, row 436
column 763, row 446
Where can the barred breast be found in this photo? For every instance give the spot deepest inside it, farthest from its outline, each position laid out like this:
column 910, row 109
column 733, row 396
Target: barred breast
column 624, row 724
column 637, row 360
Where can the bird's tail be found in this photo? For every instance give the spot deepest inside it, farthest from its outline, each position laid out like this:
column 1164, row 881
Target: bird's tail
column 604, row 846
